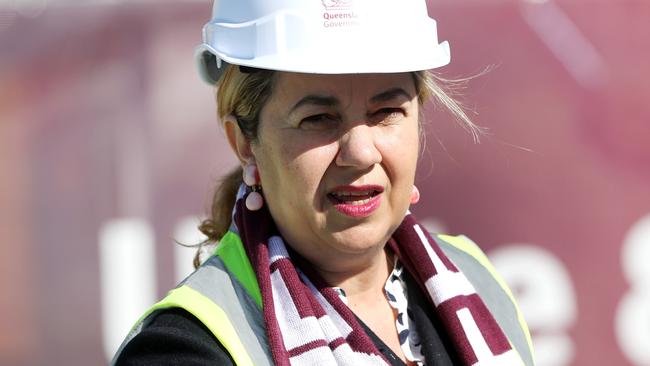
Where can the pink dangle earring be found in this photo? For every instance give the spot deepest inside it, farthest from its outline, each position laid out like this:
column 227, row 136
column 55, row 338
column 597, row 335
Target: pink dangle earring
column 415, row 195
column 254, row 200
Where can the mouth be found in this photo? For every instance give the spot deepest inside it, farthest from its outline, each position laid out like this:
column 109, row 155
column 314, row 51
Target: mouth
column 353, row 198
column 356, row 201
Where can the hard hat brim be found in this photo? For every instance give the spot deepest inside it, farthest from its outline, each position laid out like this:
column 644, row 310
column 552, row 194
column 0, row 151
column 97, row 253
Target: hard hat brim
column 211, row 63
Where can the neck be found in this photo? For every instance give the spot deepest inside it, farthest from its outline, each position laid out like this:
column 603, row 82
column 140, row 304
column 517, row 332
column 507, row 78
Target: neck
column 365, row 280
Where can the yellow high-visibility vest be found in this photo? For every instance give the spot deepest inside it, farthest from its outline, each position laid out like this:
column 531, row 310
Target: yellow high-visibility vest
column 224, row 295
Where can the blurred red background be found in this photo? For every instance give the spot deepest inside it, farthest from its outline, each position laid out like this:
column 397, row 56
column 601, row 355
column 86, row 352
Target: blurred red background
column 109, row 149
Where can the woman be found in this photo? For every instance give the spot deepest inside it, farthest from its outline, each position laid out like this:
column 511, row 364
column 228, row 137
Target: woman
column 319, row 261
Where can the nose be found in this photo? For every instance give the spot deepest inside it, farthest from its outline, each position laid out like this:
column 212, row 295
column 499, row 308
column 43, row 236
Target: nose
column 357, row 148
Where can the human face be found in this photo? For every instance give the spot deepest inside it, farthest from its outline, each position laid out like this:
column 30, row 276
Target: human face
column 337, row 156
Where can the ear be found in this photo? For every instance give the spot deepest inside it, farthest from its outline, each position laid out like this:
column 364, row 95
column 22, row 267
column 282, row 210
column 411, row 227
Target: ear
column 238, row 142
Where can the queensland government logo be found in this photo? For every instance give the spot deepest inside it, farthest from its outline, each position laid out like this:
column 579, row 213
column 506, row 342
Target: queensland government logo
column 339, row 14
column 337, row 4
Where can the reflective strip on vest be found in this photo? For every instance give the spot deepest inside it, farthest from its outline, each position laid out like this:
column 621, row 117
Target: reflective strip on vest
column 231, row 251
column 474, row 264
column 223, row 305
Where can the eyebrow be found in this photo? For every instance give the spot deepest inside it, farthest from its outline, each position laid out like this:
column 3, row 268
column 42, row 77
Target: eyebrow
column 330, row 101
column 390, row 94
column 321, row 100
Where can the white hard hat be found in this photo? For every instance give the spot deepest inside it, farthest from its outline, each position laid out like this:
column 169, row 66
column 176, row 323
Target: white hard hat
column 321, row 36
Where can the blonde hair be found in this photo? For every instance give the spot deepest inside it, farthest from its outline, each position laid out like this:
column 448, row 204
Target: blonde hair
column 243, row 92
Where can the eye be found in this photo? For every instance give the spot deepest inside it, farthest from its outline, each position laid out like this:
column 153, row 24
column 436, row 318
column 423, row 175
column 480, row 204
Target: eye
column 320, row 121
column 387, row 115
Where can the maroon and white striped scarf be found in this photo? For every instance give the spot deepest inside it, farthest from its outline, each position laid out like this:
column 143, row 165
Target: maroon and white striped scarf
column 308, row 324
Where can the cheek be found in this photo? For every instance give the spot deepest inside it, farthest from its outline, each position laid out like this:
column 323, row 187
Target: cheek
column 400, row 161
column 401, row 148
column 308, row 167
column 267, row 160
column 292, row 170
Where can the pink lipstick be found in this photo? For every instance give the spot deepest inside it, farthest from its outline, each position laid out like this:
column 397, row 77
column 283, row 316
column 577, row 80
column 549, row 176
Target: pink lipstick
column 356, row 201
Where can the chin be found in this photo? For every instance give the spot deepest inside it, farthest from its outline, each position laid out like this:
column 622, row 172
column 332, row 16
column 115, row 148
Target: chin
column 360, row 238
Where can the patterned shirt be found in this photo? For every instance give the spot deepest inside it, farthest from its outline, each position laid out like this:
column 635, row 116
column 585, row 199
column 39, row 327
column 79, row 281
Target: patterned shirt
column 396, row 293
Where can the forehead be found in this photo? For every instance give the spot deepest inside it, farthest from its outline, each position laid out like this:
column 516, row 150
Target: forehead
column 290, row 87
